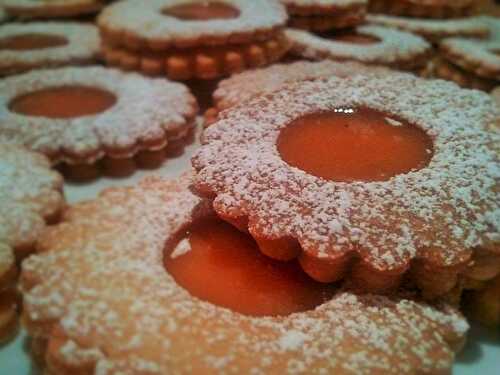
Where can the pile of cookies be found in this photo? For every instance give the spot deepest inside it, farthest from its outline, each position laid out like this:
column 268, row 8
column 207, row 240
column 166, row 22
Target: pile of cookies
column 340, row 213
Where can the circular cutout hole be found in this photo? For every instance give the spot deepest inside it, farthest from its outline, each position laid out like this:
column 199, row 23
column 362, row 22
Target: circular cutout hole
column 359, row 144
column 202, row 11
column 63, row 102
column 26, row 42
column 219, row 264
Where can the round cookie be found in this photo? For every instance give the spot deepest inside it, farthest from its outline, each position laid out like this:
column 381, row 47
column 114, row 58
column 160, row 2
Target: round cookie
column 423, row 8
column 243, row 86
column 129, row 314
column 33, row 9
column 30, row 195
column 322, row 15
column 193, row 40
column 78, row 116
column 294, row 169
column 367, row 44
column 25, row 46
column 471, row 60
column 484, row 304
column 434, row 30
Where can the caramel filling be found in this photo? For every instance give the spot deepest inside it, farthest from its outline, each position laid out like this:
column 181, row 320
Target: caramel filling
column 202, row 11
column 354, row 145
column 25, row 42
column 217, row 263
column 63, row 102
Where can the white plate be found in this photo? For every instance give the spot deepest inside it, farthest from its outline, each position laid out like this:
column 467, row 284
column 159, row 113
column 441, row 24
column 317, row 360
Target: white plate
column 481, row 355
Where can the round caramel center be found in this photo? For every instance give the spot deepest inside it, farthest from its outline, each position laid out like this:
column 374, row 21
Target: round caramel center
column 217, row 263
column 202, row 11
column 26, row 42
column 354, row 145
column 63, row 102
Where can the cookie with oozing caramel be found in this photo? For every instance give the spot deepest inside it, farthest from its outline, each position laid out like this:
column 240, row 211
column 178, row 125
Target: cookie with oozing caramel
column 368, row 179
column 147, row 279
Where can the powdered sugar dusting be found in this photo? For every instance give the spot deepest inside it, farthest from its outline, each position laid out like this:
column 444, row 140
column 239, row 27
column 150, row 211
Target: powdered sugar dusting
column 434, row 29
column 147, row 111
column 131, row 16
column 108, row 289
column 393, row 47
column 325, row 3
column 183, row 247
column 450, row 206
column 240, row 87
column 479, row 56
column 29, row 191
column 82, row 47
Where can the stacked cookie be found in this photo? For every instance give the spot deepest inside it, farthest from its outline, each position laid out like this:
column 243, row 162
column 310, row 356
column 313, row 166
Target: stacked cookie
column 192, row 40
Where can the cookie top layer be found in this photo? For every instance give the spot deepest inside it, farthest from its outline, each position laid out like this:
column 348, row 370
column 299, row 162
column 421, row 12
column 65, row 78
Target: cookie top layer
column 146, row 114
column 129, row 17
column 387, row 223
column 29, row 192
column 82, row 45
column 128, row 314
column 394, row 47
column 50, row 9
column 481, row 57
column 324, row 3
column 433, row 29
column 243, row 86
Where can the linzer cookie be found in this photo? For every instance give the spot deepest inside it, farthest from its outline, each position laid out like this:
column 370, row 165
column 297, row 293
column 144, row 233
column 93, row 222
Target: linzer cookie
column 366, row 44
column 25, row 46
column 322, row 15
column 204, row 40
column 434, row 30
column 423, row 8
column 484, row 304
column 368, row 179
column 158, row 300
column 79, row 116
column 243, row 86
column 472, row 63
column 30, row 9
column 30, row 195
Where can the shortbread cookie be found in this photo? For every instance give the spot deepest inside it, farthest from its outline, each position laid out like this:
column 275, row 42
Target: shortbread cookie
column 130, row 315
column 25, row 46
column 243, row 86
column 322, row 15
column 366, row 178
column 434, row 30
column 193, row 40
column 496, row 94
column 367, row 44
column 479, row 58
column 79, row 116
column 30, row 195
column 29, row 9
column 484, row 304
column 424, row 8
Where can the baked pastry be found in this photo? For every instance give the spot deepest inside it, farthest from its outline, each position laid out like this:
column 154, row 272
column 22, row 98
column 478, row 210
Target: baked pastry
column 370, row 179
column 30, row 195
column 472, row 63
column 25, row 46
column 322, row 15
column 79, row 116
column 423, row 8
column 366, row 44
column 484, row 304
column 129, row 314
column 434, row 30
column 203, row 40
column 496, row 94
column 43, row 9
column 243, row 86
